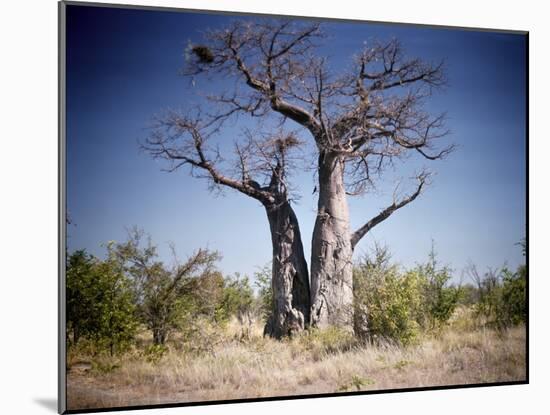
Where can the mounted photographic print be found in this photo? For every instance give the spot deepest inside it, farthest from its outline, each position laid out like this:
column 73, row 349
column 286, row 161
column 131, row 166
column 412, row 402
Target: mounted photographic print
column 260, row 207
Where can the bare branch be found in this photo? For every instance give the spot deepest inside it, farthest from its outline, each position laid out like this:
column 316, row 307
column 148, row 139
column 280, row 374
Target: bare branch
column 369, row 117
column 387, row 212
column 180, row 141
column 183, row 140
column 268, row 56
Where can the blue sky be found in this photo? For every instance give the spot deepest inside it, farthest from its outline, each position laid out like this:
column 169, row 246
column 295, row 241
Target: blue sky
column 122, row 69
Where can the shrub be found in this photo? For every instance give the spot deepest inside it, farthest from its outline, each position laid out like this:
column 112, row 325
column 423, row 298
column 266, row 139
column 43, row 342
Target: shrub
column 265, row 292
column 468, row 295
column 167, row 297
column 238, row 297
column 439, row 298
column 201, row 335
column 81, row 292
column 502, row 296
column 387, row 304
column 154, row 353
column 100, row 302
column 513, row 307
column 356, row 383
column 104, row 366
column 116, row 304
column 205, row 296
column 514, row 294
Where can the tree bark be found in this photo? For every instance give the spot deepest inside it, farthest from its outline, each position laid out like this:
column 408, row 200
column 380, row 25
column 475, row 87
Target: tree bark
column 76, row 334
column 290, row 279
column 331, row 252
column 159, row 336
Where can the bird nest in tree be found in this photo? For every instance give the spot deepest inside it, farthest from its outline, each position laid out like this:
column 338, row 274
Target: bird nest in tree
column 204, row 53
column 287, row 142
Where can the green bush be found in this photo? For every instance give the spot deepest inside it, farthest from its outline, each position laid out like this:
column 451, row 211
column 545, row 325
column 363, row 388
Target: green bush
column 81, row 293
column 395, row 305
column 265, row 292
column 238, row 297
column 502, row 297
column 100, row 302
column 439, row 297
column 167, row 297
column 386, row 303
column 513, row 307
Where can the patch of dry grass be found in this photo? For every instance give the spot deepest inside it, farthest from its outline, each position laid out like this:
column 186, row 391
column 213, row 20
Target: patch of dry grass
column 243, row 364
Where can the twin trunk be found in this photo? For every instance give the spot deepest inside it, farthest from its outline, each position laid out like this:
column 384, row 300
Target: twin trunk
column 330, row 302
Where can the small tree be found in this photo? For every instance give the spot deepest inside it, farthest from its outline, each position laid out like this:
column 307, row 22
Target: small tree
column 100, row 302
column 80, row 292
column 441, row 299
column 164, row 295
column 116, row 306
column 512, row 308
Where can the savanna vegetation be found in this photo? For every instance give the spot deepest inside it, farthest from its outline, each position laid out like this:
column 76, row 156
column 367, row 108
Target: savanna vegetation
column 144, row 330
column 140, row 331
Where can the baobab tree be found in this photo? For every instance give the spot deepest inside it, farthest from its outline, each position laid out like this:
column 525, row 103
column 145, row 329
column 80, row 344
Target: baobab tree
column 260, row 171
column 360, row 120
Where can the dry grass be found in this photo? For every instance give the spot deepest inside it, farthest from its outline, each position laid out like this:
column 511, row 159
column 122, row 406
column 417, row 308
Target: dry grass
column 322, row 362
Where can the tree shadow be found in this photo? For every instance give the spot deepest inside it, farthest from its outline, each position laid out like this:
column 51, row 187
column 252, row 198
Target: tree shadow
column 48, row 403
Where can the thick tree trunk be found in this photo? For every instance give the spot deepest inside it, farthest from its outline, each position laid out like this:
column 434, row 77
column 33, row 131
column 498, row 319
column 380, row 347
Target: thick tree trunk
column 290, row 280
column 331, row 252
